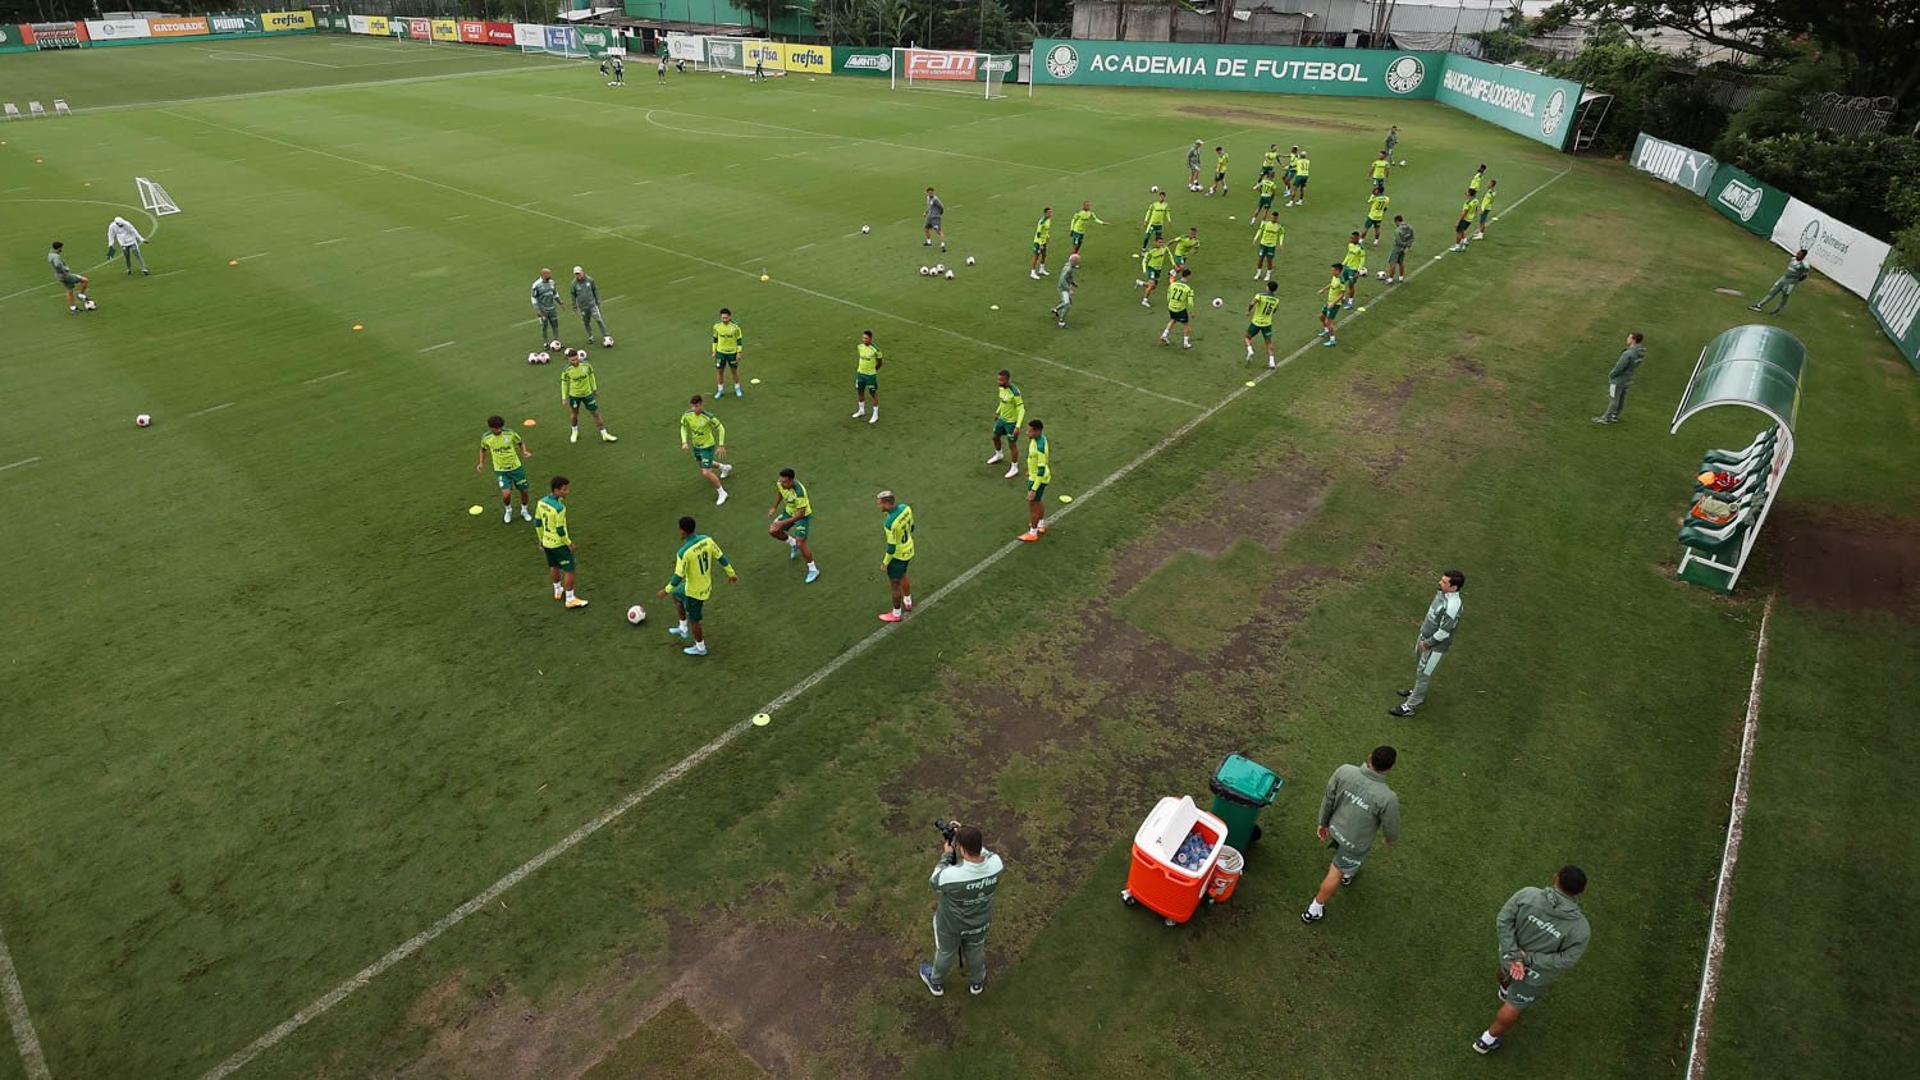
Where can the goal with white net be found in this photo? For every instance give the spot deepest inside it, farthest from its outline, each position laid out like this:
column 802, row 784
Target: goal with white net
column 976, row 73
column 154, row 197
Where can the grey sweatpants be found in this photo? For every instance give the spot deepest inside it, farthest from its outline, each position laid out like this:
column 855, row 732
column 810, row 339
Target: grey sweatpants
column 1424, row 664
column 549, row 325
column 1782, row 288
column 1616, row 400
column 948, row 944
column 132, row 252
column 589, row 316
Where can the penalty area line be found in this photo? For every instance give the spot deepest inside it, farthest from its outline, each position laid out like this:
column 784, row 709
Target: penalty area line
column 406, row 949
column 1703, row 1006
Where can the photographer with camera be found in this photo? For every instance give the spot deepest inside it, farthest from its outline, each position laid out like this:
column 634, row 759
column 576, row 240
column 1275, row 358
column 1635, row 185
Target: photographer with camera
column 964, row 878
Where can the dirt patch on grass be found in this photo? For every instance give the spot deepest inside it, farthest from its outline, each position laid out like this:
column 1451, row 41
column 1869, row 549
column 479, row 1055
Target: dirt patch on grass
column 1265, row 508
column 1834, row 559
column 1272, row 120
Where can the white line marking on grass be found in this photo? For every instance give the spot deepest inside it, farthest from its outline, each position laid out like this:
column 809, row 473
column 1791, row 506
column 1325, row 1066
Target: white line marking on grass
column 682, row 280
column 255, row 255
column 17, row 464
column 335, row 240
column 641, row 183
column 1729, row 861
column 251, row 94
column 701, row 259
column 17, row 1015
column 334, row 375
column 397, row 228
column 217, row 408
column 720, row 742
column 231, row 55
column 436, row 348
column 459, row 217
column 614, row 299
column 581, row 194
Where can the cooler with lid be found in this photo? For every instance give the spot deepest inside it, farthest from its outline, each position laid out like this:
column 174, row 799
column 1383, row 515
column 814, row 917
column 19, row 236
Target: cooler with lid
column 1174, row 852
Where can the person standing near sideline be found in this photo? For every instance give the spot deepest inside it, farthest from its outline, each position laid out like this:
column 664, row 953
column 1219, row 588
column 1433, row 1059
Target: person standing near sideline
column 1796, row 273
column 1621, row 377
column 122, row 234
column 1436, row 637
column 936, row 210
column 1069, row 281
column 546, row 304
column 586, row 301
column 898, row 526
column 964, row 879
column 1397, row 254
column 1193, row 165
column 1358, row 805
column 1542, row 934
column 660, row 74
column 1039, row 475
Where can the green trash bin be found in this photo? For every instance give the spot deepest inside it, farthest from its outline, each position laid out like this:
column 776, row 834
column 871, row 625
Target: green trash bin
column 1241, row 789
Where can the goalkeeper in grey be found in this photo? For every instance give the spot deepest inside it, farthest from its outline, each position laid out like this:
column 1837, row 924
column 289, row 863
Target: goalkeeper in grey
column 1783, row 286
column 546, row 304
column 122, row 235
column 586, row 301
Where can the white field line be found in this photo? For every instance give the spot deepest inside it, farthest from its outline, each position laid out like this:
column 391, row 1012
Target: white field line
column 17, row 464
column 335, row 240
column 17, row 1015
column 251, row 94
column 720, row 742
column 397, row 228
column 212, row 409
column 528, row 208
column 324, row 378
column 231, row 55
column 436, row 348
column 255, row 255
column 1729, row 861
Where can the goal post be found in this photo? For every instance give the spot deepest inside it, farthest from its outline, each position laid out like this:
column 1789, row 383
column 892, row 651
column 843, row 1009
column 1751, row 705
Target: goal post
column 155, row 198
column 975, row 73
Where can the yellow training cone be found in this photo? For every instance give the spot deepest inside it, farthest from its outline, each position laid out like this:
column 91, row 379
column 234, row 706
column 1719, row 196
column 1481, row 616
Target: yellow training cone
column 529, row 422
column 476, row 510
column 761, row 719
column 356, row 326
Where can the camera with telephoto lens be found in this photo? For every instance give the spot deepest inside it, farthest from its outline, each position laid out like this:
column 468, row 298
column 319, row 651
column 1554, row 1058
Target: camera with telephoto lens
column 947, row 828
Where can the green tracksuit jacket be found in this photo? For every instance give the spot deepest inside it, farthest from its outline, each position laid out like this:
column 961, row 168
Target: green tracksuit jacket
column 1548, row 926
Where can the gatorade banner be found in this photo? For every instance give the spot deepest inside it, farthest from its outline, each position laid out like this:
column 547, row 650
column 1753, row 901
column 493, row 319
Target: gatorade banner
column 1179, row 65
column 1895, row 304
column 812, row 59
column 1537, row 106
column 278, row 21
column 116, row 29
column 1674, row 163
column 1834, row 248
column 446, row 30
column 179, row 26
column 499, row 33
column 1741, row 198
column 862, row 61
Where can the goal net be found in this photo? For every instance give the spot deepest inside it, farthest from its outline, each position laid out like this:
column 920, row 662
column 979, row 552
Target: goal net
column 976, row 73
column 154, row 197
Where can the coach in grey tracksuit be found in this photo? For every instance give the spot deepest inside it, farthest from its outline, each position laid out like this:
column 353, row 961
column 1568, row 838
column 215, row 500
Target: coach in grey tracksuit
column 1436, row 637
column 1069, row 281
column 1796, row 273
column 1621, row 377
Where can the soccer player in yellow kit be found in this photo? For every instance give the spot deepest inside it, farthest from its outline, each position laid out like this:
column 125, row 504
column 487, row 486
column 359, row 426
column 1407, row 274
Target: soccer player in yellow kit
column 1179, row 308
column 1077, row 227
column 1039, row 474
column 580, row 388
column 1260, row 319
column 792, row 514
column 1335, row 290
column 728, row 339
column 507, row 450
column 1154, row 224
column 1042, row 232
column 692, row 583
column 1009, row 413
column 1153, row 265
column 897, row 523
column 705, row 436
column 866, row 377
column 550, row 528
column 1376, row 213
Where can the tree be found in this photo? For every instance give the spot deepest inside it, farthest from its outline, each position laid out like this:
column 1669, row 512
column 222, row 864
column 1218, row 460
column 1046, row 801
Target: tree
column 1879, row 38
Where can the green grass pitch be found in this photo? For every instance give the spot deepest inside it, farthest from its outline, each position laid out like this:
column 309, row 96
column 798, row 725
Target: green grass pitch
column 275, row 703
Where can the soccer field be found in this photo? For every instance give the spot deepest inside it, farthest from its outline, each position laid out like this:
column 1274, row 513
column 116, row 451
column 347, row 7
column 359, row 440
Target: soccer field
column 280, row 710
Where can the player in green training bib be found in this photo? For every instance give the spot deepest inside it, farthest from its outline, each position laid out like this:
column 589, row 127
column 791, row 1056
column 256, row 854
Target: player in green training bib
column 1219, row 171
column 1376, row 213
column 897, row 523
column 508, row 454
column 1353, row 267
column 1270, row 161
column 1467, row 211
column 1153, row 266
column 1267, row 237
column 1377, row 171
column 1264, row 188
column 1159, row 215
column 792, row 514
column 1260, row 320
column 1474, row 181
column 728, row 342
column 1039, row 475
column 691, row 585
column 866, row 377
column 1336, row 288
column 556, row 542
column 1183, row 247
column 1486, row 209
column 1042, row 232
column 1293, row 167
column 546, row 305
column 1179, row 308
column 586, row 301
column 1077, row 227
column 1009, row 412
column 702, row 434
column 580, row 389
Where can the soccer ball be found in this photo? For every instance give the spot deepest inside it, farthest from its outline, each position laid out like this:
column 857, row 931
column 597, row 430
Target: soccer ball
column 636, row 614
column 1193, row 187
column 143, row 420
column 924, row 271
column 543, row 357
column 1402, row 162
column 533, row 358
column 1156, row 189
column 949, row 275
column 606, row 342
column 969, row 260
column 1217, row 302
column 939, row 268
column 865, row 229
column 554, row 345
column 1382, row 275
column 89, row 305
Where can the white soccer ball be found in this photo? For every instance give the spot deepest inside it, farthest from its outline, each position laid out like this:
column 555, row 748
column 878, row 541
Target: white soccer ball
column 554, row 345
column 636, row 614
column 1156, row 189
column 607, row 342
column 1402, row 162
column 533, row 358
column 545, row 357
column 949, row 275
column 924, row 271
column 90, row 305
column 1217, row 302
column 865, row 229
column 969, row 260
column 1381, row 274
column 939, row 268
column 142, row 420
